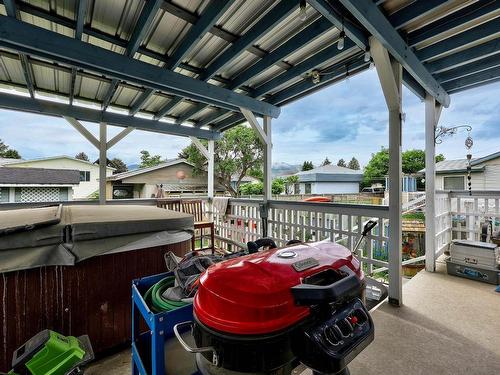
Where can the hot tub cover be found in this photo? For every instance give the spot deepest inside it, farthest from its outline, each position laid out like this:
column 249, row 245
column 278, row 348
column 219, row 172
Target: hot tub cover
column 85, row 231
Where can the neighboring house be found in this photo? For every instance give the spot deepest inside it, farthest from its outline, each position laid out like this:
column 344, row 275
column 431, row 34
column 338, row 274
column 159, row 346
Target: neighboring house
column 175, row 176
column 89, row 172
column 37, row 184
column 328, row 179
column 408, row 183
column 452, row 174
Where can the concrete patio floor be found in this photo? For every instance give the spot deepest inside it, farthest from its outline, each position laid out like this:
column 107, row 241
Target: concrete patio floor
column 448, row 325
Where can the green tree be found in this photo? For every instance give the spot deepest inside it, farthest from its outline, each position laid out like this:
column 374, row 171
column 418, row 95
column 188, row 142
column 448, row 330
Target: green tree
column 341, row 163
column 238, row 152
column 148, row 160
column 257, row 188
column 290, row 182
column 326, row 161
column 439, row 157
column 254, row 188
column 377, row 168
column 278, row 186
column 307, row 166
column 11, row 154
column 118, row 165
column 7, row 152
column 353, row 164
column 82, row 156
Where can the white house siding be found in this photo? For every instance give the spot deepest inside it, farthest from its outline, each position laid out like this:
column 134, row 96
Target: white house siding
column 492, row 177
column 85, row 188
column 331, row 187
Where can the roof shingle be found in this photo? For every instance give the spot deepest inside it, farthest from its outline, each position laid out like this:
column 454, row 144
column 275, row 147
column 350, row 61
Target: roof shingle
column 39, row 176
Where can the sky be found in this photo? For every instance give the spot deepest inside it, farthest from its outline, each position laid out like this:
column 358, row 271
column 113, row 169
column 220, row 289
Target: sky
column 346, row 120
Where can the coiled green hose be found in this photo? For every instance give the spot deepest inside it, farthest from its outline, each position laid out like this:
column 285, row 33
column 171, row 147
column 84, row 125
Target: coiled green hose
column 155, row 300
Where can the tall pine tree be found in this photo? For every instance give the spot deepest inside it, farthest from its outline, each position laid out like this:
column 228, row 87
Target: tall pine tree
column 353, row 164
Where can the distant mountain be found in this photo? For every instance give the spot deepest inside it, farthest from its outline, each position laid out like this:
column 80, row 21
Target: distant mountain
column 131, row 167
column 281, row 168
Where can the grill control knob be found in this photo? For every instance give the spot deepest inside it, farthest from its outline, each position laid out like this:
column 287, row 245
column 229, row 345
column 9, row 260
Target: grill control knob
column 332, row 335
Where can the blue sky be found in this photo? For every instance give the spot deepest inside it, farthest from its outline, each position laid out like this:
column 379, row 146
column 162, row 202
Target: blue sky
column 345, row 120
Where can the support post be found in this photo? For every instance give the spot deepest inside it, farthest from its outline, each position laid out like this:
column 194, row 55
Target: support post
column 390, row 75
column 268, row 160
column 211, row 168
column 103, row 161
column 432, row 113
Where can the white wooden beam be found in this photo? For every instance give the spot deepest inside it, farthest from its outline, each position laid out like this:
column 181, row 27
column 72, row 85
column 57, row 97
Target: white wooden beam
column 268, row 150
column 211, row 168
column 117, row 138
column 432, row 114
column 200, row 147
column 83, row 131
column 385, row 73
column 390, row 74
column 252, row 120
column 103, row 162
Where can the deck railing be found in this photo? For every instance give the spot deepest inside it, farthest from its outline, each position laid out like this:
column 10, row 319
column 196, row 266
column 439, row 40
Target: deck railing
column 246, row 220
column 460, row 215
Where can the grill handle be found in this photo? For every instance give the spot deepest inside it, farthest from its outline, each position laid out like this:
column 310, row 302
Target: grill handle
column 345, row 288
column 189, row 349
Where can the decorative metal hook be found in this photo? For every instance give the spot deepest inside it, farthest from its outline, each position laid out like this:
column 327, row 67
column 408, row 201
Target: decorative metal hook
column 442, row 132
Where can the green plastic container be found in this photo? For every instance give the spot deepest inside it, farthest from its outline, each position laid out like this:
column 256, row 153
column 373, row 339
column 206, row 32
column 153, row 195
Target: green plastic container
column 49, row 353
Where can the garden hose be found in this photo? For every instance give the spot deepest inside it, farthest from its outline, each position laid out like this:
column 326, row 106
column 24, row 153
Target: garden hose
column 156, row 302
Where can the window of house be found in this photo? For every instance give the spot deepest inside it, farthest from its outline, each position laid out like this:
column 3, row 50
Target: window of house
column 454, row 183
column 308, row 188
column 84, row 176
column 296, row 188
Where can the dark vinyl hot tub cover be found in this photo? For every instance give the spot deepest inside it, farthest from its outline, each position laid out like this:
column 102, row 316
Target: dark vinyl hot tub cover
column 49, row 236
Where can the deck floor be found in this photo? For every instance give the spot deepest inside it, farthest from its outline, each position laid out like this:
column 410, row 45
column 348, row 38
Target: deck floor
column 448, row 325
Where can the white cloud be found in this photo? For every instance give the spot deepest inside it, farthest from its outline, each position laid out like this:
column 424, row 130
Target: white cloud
column 345, row 120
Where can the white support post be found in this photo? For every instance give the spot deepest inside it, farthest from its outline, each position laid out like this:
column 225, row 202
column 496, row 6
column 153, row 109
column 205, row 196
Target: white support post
column 209, row 154
column 390, row 75
column 200, row 147
column 252, row 120
column 103, row 161
column 211, row 168
column 268, row 150
column 432, row 113
column 264, row 133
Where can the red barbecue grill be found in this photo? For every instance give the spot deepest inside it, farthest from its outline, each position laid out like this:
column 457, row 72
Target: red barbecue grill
column 265, row 312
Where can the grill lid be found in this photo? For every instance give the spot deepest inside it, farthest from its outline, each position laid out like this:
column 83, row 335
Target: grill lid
column 252, row 294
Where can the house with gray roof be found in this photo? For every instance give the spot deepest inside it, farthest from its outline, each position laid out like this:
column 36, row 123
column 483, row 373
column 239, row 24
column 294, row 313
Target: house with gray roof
column 37, row 184
column 452, row 174
column 328, row 179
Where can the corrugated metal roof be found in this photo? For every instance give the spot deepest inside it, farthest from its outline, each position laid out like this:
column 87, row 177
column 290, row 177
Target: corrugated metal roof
column 110, row 24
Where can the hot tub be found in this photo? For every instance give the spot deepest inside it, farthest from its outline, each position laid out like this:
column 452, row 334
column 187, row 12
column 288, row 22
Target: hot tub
column 70, row 269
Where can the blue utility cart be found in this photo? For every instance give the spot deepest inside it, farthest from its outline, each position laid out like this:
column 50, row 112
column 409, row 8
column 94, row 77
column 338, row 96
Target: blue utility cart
column 148, row 347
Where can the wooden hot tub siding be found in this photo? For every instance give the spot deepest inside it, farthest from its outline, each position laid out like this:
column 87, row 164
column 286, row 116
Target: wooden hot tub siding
column 91, row 298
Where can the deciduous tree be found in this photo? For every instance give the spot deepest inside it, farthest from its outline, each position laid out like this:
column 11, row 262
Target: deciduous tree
column 237, row 153
column 148, row 160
